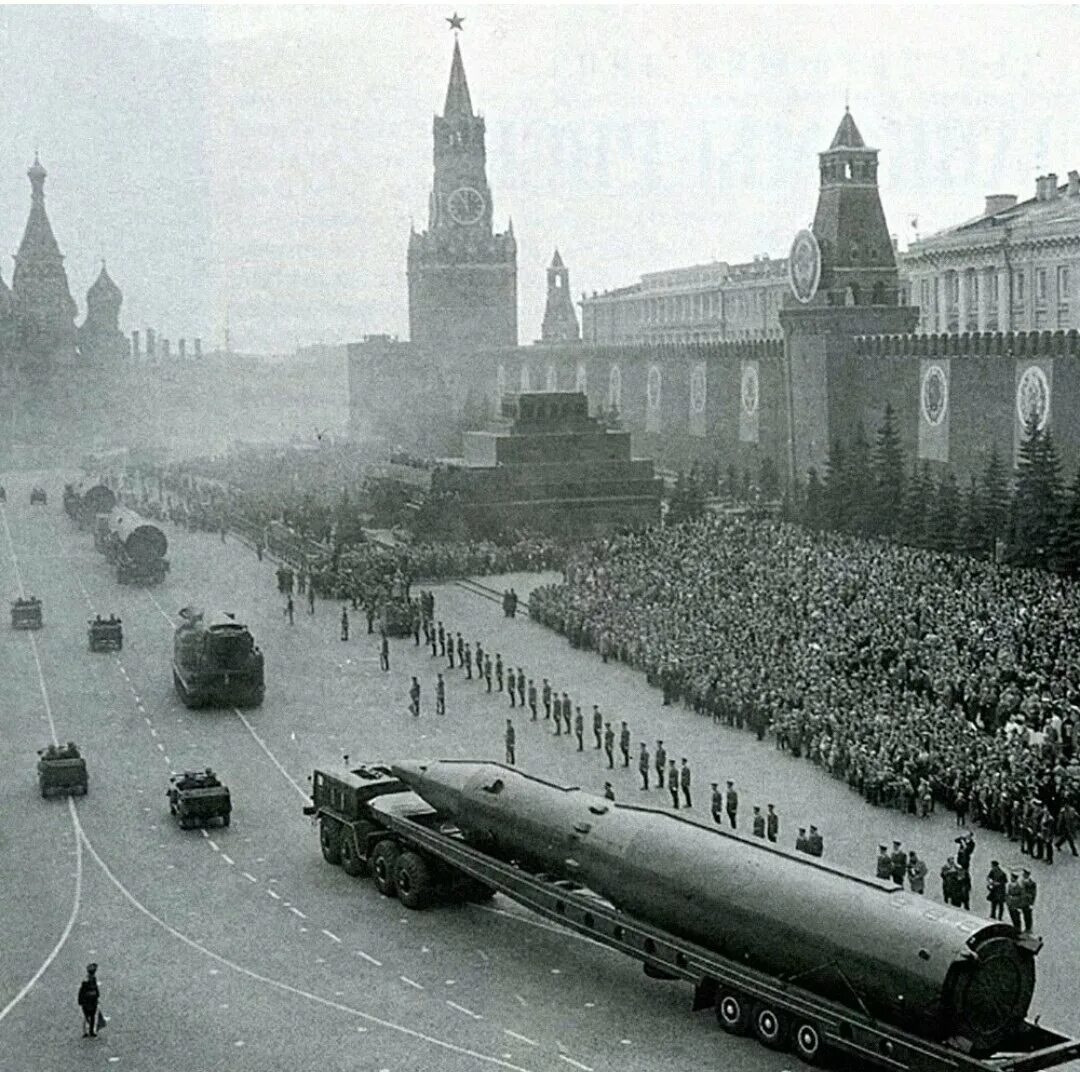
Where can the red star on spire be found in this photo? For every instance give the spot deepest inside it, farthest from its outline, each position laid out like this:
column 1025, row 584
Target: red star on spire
column 456, row 21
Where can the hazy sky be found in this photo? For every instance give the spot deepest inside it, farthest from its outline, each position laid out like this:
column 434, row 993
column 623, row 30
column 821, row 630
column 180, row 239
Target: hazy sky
column 267, row 161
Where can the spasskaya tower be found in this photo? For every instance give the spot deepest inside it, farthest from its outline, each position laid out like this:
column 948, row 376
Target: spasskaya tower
column 462, row 275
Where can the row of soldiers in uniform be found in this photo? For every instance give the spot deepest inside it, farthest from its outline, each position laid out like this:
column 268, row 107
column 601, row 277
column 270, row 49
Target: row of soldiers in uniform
column 1035, row 826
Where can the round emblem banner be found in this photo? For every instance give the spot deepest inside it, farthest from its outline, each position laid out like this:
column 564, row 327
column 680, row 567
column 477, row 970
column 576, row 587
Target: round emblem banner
column 1033, row 397
column 804, row 266
column 934, row 396
column 750, row 390
column 697, row 389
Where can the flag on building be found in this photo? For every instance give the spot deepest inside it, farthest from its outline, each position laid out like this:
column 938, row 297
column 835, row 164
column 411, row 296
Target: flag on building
column 934, row 384
column 749, row 402
column 697, row 399
column 652, row 400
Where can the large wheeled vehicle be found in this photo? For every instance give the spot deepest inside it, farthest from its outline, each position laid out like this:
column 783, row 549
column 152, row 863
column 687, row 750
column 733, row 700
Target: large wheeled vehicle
column 801, row 954
column 105, row 634
column 61, row 771
column 83, row 507
column 38, row 497
column 26, row 613
column 216, row 663
column 136, row 548
column 197, row 798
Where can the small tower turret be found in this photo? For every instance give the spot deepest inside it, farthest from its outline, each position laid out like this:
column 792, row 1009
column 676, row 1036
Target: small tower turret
column 560, row 318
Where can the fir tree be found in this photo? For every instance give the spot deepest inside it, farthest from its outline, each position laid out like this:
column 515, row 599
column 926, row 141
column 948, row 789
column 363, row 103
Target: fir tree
column 769, row 479
column 834, row 497
column 888, row 476
column 943, row 524
column 996, row 499
column 1067, row 536
column 814, row 507
column 1038, row 493
column 911, row 528
column 859, row 484
column 974, row 536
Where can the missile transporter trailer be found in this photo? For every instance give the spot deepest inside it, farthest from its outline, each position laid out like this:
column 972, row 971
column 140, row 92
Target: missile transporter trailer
column 797, row 953
column 197, row 798
column 216, row 664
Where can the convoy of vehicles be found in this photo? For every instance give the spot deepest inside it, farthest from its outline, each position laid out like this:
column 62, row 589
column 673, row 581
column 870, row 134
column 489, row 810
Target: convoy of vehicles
column 798, row 953
column 217, row 662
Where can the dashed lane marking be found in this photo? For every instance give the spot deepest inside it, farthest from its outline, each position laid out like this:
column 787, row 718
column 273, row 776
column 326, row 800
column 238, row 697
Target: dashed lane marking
column 576, row 1064
column 333, row 937
column 296, row 911
column 250, row 877
column 287, row 988
column 462, row 1009
column 370, row 960
column 410, row 982
column 276, row 896
column 227, row 858
column 520, row 1038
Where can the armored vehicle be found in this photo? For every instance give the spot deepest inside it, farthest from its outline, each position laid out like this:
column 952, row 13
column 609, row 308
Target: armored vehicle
column 105, row 634
column 38, row 497
column 26, row 613
column 61, row 771
column 216, row 663
column 197, row 798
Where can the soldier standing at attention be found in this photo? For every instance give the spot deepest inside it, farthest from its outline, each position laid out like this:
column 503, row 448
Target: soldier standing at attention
column 414, row 698
column 1029, row 890
column 499, row 671
column 643, row 765
column 467, row 663
column 916, row 870
column 899, row 863
column 289, row 609
column 758, row 822
column 440, row 696
column 609, row 745
column 442, row 640
column 532, row 698
column 673, row 784
column 772, row 824
column 384, row 651
column 732, row 805
column 511, row 687
column 996, row 881
column 344, row 623
column 609, row 793
column 597, row 726
column 815, row 844
column 521, row 694
column 567, row 711
column 510, row 739
column 487, row 671
column 884, row 864
column 624, row 745
column 545, row 694
column 579, row 729
column 311, row 600
column 460, row 649
column 89, row 996
column 661, row 763
column 684, row 781
column 717, row 803
column 478, row 648
column 800, row 840
column 1014, row 901
column 556, row 711
column 450, row 652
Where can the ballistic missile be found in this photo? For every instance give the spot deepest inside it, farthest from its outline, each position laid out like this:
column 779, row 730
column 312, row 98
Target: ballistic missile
column 932, row 969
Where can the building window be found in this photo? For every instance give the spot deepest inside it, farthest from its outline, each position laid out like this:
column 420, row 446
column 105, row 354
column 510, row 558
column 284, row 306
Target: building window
column 1063, row 282
column 1018, row 286
column 1040, row 285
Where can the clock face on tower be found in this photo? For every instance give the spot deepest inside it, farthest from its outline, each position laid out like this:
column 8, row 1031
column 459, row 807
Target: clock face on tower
column 465, row 205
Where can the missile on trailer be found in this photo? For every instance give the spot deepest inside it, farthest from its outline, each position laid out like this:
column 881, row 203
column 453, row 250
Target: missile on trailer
column 934, row 970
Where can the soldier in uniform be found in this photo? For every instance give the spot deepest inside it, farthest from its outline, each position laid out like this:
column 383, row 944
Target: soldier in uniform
column 311, row 600
column 661, row 763
column 916, row 870
column 1046, row 834
column 290, row 610
column 948, row 881
column 1014, row 901
column 545, row 696
column 624, row 745
column 717, row 803
column 962, row 888
column 684, row 782
column 460, row 649
column 532, row 698
column 579, row 729
column 499, row 671
column 450, row 651
column 442, row 640
column 966, row 850
column 609, row 793
column 731, row 805
column 1066, row 827
column 521, row 694
column 467, row 662
column 609, row 745
column 344, row 623
column 800, row 840
column 556, row 710
column 884, row 863
column 89, row 996
column 567, row 712
column 772, row 824
column 384, row 651
column 1028, row 889
column 510, row 740
column 996, row 881
column 643, row 764
column 487, row 671
column 511, row 687
column 673, row 784
column 899, row 863
column 815, row 844
column 414, row 698
column 478, row 648
column 440, row 696
column 758, row 822
column 597, row 726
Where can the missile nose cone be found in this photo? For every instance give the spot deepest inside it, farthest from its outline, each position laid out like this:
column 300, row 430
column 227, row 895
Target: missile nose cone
column 410, row 771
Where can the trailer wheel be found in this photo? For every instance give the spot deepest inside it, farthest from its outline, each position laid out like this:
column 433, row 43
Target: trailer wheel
column 806, row 1041
column 225, row 819
column 330, row 839
column 352, row 863
column 769, row 1026
column 413, row 879
column 384, row 867
column 733, row 1012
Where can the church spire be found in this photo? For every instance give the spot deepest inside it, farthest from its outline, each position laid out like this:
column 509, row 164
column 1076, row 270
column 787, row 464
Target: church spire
column 458, row 103
column 38, row 238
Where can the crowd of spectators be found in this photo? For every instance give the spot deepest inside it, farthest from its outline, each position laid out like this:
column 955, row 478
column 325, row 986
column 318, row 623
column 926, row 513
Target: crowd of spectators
column 917, row 677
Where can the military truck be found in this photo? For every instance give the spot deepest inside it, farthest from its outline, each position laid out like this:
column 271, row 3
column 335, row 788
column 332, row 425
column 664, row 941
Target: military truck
column 105, row 634
column 216, row 663
column 197, row 798
column 38, row 497
column 61, row 771
column 26, row 613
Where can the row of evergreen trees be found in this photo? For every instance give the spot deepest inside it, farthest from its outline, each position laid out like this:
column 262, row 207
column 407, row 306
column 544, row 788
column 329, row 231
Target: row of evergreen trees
column 1027, row 517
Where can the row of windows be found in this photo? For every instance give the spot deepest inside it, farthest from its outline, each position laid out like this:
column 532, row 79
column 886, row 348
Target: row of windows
column 990, row 280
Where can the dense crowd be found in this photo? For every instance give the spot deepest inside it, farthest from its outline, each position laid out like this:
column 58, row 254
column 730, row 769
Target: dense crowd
column 914, row 676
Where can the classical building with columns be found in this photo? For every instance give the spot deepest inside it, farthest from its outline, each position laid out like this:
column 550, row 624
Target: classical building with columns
column 1015, row 267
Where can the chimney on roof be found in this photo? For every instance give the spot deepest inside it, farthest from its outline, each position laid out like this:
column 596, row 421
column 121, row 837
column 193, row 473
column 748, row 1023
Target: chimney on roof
column 996, row 203
column 1074, row 183
column 1051, row 186
column 1040, row 188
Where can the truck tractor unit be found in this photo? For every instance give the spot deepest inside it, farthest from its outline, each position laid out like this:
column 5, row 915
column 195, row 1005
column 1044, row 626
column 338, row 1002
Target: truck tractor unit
column 84, row 506
column 197, row 798
column 216, row 663
column 801, row 954
column 136, row 548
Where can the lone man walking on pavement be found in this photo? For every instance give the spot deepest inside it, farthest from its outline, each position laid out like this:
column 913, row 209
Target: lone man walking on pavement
column 384, row 652
column 344, row 623
column 511, row 756
column 89, row 995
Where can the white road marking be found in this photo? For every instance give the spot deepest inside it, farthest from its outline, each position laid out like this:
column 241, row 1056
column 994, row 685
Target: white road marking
column 296, row 912
column 576, row 1064
column 214, row 845
column 521, row 1001
column 205, row 833
column 153, row 732
column 370, row 960
column 410, row 982
column 331, row 936
column 520, row 1038
column 276, row 896
column 227, row 858
column 462, row 1009
column 250, row 877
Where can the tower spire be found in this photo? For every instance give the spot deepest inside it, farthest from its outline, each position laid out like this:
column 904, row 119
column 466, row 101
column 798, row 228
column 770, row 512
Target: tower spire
column 458, row 103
